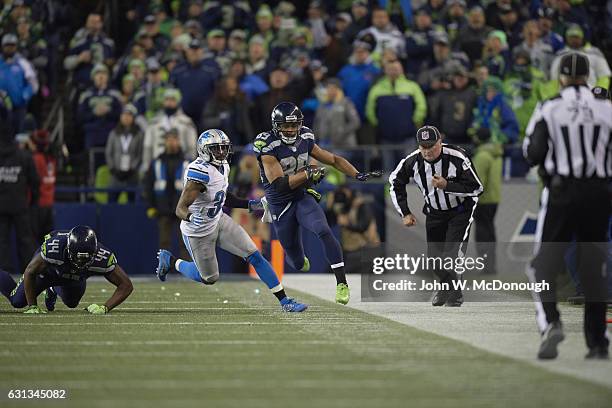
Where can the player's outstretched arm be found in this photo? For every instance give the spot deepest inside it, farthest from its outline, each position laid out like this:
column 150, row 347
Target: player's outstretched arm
column 119, row 278
column 188, row 196
column 35, row 267
column 338, row 162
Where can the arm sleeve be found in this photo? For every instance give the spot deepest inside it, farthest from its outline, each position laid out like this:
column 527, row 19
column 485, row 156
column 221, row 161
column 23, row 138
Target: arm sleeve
column 235, row 202
column 535, row 145
column 398, row 180
column 467, row 183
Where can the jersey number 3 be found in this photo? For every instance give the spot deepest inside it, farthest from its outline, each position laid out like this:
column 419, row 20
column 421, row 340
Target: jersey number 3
column 218, row 203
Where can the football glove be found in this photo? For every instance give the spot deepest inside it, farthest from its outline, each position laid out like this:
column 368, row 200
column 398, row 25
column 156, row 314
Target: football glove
column 34, row 309
column 315, row 174
column 317, row 196
column 97, row 309
column 369, row 174
column 255, row 205
column 196, row 219
column 151, row 212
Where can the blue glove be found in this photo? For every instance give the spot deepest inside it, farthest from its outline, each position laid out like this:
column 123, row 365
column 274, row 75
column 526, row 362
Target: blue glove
column 255, row 205
column 367, row 175
column 196, row 219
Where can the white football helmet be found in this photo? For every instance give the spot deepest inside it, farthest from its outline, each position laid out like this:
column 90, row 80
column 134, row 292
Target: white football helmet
column 214, row 146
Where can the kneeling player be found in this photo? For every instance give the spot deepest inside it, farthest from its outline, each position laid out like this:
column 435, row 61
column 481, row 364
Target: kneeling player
column 205, row 225
column 62, row 265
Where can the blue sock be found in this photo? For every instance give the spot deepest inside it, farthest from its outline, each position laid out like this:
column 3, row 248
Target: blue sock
column 189, row 270
column 265, row 271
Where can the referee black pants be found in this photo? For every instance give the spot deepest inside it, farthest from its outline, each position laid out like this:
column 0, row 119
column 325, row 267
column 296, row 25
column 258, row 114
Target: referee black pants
column 580, row 210
column 447, row 234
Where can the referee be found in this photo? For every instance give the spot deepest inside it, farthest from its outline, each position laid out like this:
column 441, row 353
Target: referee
column 450, row 187
column 569, row 137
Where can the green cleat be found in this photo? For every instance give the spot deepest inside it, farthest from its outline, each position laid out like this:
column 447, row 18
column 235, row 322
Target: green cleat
column 306, row 266
column 343, row 294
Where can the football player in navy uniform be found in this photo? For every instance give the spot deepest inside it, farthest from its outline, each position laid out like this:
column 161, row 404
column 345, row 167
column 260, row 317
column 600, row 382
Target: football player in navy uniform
column 61, row 267
column 284, row 154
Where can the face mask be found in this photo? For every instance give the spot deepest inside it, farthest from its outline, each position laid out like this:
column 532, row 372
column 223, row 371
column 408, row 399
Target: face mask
column 170, row 111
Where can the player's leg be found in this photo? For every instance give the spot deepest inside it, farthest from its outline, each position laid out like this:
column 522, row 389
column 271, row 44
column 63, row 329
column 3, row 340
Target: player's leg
column 311, row 216
column 72, row 293
column 288, row 232
column 234, row 239
column 15, row 291
column 204, row 267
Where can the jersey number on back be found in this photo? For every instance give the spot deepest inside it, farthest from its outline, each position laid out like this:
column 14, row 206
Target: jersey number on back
column 218, row 203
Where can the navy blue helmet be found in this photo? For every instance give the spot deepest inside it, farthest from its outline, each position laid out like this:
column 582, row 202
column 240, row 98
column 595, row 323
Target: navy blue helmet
column 287, row 120
column 82, row 246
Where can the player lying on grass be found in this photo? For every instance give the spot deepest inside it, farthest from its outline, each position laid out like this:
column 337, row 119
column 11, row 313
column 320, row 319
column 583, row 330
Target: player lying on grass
column 205, row 225
column 61, row 267
column 283, row 154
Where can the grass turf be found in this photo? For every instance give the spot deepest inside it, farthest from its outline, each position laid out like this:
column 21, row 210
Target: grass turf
column 230, row 346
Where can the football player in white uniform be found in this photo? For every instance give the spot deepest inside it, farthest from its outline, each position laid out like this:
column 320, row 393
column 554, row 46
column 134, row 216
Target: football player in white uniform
column 204, row 224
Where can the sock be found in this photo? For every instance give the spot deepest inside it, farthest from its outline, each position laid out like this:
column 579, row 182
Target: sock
column 7, row 283
column 266, row 274
column 188, row 269
column 338, row 270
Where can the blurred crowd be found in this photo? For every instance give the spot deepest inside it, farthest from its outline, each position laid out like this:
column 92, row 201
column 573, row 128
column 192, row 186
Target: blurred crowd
column 145, row 77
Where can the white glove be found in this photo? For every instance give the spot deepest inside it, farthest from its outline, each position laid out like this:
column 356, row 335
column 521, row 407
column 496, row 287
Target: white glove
column 267, row 215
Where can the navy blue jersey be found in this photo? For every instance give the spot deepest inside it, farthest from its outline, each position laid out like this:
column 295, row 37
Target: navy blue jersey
column 291, row 158
column 55, row 254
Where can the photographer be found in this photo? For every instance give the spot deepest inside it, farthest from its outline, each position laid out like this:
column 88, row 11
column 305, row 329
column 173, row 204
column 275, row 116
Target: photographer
column 350, row 211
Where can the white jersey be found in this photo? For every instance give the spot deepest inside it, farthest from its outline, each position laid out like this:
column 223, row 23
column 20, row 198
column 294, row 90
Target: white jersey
column 209, row 203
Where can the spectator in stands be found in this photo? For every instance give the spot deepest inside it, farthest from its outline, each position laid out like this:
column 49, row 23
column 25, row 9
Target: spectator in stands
column 257, row 62
column 569, row 14
column 451, row 109
column 493, row 112
column 511, row 25
column 496, row 55
column 545, row 23
column 45, row 161
column 524, row 87
column 88, row 47
column 541, row 53
column 264, row 28
column 163, row 183
column 494, row 11
column 216, row 54
column 419, row 43
column 18, row 192
column 385, row 33
column 471, row 38
column 124, row 152
column 170, row 117
column 455, row 19
column 237, row 45
column 315, row 21
column 17, row 79
column 228, row 110
column 353, row 214
column 193, row 28
column 34, row 49
column 282, row 88
column 138, row 70
column 435, row 76
column 338, row 50
column 121, row 67
column 227, row 14
column 396, row 106
column 252, row 85
column 488, row 161
column 435, row 9
column 6, row 112
column 151, row 27
column 358, row 76
column 599, row 70
column 195, row 80
column 336, row 120
column 149, row 99
column 128, row 89
column 99, row 108
column 360, row 20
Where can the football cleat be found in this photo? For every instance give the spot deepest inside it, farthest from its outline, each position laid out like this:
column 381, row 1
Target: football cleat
column 553, row 335
column 164, row 264
column 440, row 297
column 343, row 294
column 455, row 298
column 598, row 353
column 290, row 305
column 306, row 266
column 50, row 299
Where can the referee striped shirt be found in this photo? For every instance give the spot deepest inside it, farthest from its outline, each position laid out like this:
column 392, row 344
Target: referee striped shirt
column 570, row 136
column 452, row 164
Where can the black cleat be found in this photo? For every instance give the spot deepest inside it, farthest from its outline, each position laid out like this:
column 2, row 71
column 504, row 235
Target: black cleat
column 440, row 297
column 553, row 335
column 455, row 299
column 597, row 353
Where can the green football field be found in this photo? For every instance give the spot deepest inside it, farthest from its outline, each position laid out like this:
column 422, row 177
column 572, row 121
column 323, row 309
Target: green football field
column 179, row 344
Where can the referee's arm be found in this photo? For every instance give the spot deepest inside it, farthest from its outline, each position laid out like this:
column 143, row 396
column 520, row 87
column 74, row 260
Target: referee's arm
column 466, row 183
column 535, row 145
column 398, row 180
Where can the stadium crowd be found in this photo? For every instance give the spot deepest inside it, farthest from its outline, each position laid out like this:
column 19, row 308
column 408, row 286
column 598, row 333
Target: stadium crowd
column 146, row 77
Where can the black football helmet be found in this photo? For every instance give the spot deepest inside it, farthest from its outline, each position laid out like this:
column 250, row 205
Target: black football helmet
column 287, row 120
column 82, row 246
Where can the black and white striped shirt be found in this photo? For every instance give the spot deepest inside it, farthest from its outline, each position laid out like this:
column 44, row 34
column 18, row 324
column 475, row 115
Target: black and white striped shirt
column 570, row 135
column 452, row 164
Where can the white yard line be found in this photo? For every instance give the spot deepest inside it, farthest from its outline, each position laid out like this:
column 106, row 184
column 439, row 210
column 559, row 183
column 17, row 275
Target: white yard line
column 507, row 328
